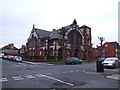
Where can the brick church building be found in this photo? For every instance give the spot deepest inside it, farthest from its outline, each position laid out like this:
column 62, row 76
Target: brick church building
column 43, row 42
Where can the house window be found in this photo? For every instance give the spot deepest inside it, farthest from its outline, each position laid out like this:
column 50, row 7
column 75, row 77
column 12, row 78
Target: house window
column 103, row 51
column 106, row 45
column 42, row 43
column 51, row 43
column 60, row 52
column 116, row 50
column 96, row 51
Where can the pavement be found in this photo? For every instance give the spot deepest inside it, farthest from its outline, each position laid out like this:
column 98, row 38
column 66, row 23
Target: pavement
column 108, row 73
column 36, row 63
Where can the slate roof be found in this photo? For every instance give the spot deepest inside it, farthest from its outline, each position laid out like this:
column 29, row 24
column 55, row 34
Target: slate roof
column 84, row 26
column 42, row 33
column 54, row 34
column 115, row 44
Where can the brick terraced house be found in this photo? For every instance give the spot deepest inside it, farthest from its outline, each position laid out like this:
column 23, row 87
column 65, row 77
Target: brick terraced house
column 43, row 42
column 10, row 49
column 109, row 49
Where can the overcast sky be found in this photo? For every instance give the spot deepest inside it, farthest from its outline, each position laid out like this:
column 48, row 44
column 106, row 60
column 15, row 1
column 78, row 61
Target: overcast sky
column 18, row 16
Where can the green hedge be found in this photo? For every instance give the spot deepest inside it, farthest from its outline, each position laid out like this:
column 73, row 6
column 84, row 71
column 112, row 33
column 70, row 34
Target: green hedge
column 98, row 56
column 59, row 57
column 50, row 57
column 39, row 57
column 35, row 57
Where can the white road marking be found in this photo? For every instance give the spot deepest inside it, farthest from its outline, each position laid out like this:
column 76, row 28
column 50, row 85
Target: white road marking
column 65, row 72
column 17, row 65
column 30, row 76
column 3, row 79
column 57, row 80
column 57, row 73
column 48, row 73
column 77, row 70
column 94, row 73
column 70, row 71
column 39, row 75
column 17, row 78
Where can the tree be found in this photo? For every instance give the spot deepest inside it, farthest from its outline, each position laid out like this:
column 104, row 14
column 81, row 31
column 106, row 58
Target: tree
column 101, row 42
column 63, row 42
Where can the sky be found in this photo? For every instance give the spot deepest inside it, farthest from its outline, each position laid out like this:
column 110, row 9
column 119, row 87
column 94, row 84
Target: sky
column 18, row 16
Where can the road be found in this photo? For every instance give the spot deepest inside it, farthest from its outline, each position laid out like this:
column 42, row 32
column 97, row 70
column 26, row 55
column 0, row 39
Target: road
column 22, row 75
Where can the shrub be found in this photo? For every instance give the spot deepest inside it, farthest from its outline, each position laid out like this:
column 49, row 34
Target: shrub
column 59, row 57
column 50, row 57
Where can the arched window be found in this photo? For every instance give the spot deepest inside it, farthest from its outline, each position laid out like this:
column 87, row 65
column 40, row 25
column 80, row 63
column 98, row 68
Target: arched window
column 41, row 52
column 74, row 38
column 60, row 52
column 51, row 51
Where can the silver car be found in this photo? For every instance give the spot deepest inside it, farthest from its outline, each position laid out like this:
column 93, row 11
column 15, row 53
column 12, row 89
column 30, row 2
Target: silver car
column 17, row 58
column 111, row 62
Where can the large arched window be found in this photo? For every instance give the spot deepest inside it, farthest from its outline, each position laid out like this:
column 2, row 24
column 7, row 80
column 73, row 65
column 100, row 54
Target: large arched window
column 60, row 51
column 74, row 38
column 51, row 51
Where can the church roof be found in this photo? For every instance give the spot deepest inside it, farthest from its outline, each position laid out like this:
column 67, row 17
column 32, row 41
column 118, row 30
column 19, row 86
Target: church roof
column 75, row 22
column 84, row 26
column 54, row 34
column 42, row 33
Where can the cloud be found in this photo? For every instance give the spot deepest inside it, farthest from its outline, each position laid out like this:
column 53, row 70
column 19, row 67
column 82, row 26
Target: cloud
column 17, row 17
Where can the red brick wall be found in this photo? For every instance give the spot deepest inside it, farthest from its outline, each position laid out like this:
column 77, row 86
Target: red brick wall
column 110, row 50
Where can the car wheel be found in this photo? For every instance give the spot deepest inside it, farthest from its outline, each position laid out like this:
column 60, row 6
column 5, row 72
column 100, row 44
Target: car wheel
column 67, row 63
column 80, row 62
column 70, row 63
column 74, row 63
column 114, row 66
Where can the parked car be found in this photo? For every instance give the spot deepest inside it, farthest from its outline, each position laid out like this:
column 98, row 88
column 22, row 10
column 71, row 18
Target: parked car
column 1, row 55
column 4, row 57
column 73, row 60
column 111, row 62
column 17, row 59
column 100, row 59
column 10, row 57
